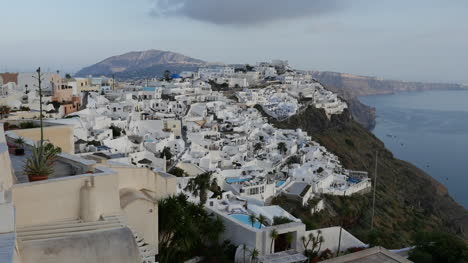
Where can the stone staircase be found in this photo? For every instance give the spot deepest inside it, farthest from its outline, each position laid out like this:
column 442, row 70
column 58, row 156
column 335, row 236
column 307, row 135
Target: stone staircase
column 146, row 253
column 63, row 229
column 72, row 227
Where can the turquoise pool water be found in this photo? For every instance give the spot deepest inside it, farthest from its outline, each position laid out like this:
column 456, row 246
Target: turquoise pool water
column 280, row 183
column 236, row 180
column 243, row 218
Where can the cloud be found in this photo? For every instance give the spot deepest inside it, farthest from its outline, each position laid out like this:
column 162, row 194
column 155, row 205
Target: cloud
column 243, row 12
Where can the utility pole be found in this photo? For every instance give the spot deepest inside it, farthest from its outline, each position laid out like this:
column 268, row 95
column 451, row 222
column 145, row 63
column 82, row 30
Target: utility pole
column 375, row 186
column 341, row 230
column 39, row 81
column 113, row 81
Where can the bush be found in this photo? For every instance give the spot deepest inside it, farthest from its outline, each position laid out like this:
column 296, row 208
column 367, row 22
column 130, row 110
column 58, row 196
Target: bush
column 294, row 159
column 349, row 142
column 94, row 143
column 27, row 125
column 116, row 131
column 176, row 171
column 438, row 247
column 279, row 220
column 166, row 152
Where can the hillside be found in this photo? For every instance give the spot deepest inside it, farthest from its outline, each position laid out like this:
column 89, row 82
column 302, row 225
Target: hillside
column 141, row 64
column 407, row 199
column 350, row 87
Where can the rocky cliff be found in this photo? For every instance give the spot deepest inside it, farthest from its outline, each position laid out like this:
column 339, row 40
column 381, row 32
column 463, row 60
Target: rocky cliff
column 407, row 199
column 350, row 87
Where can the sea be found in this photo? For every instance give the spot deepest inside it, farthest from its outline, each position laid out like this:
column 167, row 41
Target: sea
column 430, row 130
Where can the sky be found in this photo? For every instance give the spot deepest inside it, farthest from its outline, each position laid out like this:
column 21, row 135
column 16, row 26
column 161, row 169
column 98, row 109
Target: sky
column 414, row 40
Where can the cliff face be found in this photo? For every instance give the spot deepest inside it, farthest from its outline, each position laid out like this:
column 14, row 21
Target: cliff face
column 407, row 199
column 350, row 87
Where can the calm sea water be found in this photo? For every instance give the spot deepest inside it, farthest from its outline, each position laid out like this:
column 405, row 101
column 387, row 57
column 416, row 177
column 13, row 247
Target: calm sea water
column 430, row 130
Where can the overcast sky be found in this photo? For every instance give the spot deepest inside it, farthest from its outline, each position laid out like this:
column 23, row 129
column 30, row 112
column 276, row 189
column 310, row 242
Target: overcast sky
column 423, row 40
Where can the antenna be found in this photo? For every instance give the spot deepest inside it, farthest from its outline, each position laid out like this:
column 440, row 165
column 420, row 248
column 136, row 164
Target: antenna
column 375, row 186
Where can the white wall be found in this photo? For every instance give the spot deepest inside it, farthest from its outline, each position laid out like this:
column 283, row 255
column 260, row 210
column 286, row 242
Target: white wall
column 331, row 237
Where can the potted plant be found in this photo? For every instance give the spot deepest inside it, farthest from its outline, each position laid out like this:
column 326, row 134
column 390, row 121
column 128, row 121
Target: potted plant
column 40, row 165
column 19, row 146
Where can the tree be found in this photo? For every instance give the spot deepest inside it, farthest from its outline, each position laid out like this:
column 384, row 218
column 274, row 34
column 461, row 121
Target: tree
column 67, row 76
column 200, row 185
column 282, row 147
column 316, row 240
column 262, row 220
column 244, row 249
column 257, row 147
column 166, row 152
column 167, row 75
column 178, row 172
column 116, row 131
column 254, row 255
column 438, row 247
column 4, row 110
column 273, row 236
column 289, row 239
column 279, row 220
column 252, row 219
column 294, row 159
column 185, row 229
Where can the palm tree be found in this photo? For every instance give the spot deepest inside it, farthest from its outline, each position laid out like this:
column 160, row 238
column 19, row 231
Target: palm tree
column 20, row 143
column 244, row 249
column 252, row 219
column 199, row 186
column 254, row 255
column 282, row 147
column 289, row 239
column 262, row 220
column 273, row 236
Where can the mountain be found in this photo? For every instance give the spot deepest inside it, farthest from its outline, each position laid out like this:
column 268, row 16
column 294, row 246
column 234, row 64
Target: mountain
column 350, row 87
column 141, row 64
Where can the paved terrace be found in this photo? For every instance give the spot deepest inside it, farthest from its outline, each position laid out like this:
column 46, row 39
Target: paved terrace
column 65, row 165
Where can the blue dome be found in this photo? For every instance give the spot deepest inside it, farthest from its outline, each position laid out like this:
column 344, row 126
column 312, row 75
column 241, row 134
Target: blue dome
column 175, row 76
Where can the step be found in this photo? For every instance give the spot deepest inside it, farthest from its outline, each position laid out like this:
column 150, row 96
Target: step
column 61, row 235
column 71, row 221
column 77, row 228
column 149, row 259
column 147, row 254
column 63, row 226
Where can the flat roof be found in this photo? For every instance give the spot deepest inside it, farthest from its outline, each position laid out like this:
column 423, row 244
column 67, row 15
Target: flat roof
column 375, row 254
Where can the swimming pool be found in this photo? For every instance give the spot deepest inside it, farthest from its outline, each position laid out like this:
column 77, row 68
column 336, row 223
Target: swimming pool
column 243, row 218
column 280, row 183
column 236, row 180
column 354, row 180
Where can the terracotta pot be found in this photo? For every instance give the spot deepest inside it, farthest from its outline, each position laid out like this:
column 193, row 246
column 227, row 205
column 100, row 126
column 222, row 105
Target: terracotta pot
column 35, row 178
